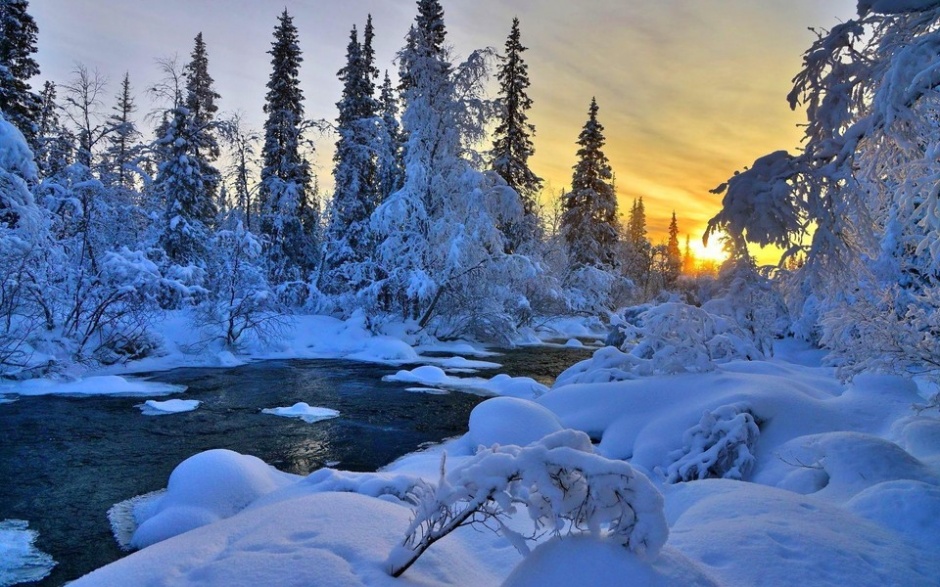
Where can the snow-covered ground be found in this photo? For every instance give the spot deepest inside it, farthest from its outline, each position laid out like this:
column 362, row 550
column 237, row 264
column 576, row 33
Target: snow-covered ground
column 825, row 484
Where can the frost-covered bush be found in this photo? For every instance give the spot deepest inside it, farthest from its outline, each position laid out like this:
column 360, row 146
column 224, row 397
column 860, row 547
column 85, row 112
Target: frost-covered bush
column 241, row 305
column 593, row 290
column 672, row 337
column 721, row 445
column 877, row 333
column 564, row 486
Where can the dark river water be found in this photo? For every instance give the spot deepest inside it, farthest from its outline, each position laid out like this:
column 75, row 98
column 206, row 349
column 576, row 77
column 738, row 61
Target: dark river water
column 65, row 461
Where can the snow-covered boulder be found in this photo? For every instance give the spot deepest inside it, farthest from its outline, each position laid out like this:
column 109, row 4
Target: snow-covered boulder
column 204, row 488
column 510, row 420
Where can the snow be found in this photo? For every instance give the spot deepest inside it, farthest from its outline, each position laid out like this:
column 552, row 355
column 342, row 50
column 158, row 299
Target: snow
column 502, row 384
column 304, row 411
column 584, row 560
column 171, row 406
column 204, row 488
column 842, row 487
column 509, row 420
column 94, row 385
column 20, row 560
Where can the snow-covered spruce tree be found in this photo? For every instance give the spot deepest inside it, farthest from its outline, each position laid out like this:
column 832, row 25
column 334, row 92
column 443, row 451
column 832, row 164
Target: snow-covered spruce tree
column 589, row 223
column 288, row 214
column 637, row 251
column 348, row 244
column 123, row 153
column 18, row 34
column 866, row 184
column 200, row 100
column 512, row 142
column 438, row 234
column 182, row 189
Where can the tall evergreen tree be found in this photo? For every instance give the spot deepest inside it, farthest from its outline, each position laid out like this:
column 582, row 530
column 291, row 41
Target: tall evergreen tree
column 123, row 150
column 18, row 33
column 589, row 223
column 512, row 144
column 390, row 169
column 288, row 213
column 200, row 102
column 673, row 253
column 636, row 223
column 355, row 195
column 183, row 189
column 54, row 144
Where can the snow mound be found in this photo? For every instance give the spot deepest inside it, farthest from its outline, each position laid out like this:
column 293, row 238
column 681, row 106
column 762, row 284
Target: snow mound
column 510, row 420
column 170, row 406
column 20, row 560
column 910, row 508
column 99, row 385
column 730, row 525
column 304, row 411
column 841, row 465
column 204, row 488
column 586, row 560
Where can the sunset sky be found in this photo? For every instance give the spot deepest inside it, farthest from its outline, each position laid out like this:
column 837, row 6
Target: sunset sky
column 689, row 91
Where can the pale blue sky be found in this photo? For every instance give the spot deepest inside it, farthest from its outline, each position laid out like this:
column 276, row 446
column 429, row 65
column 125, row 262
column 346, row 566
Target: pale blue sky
column 689, row 91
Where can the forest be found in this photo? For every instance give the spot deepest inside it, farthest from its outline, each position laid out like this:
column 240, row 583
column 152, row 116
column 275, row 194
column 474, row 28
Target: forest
column 434, row 216
column 783, row 413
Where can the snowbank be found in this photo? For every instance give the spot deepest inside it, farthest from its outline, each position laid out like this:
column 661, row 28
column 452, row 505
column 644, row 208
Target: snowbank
column 97, row 385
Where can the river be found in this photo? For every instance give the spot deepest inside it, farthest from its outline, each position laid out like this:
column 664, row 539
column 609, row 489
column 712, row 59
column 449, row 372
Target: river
column 64, row 461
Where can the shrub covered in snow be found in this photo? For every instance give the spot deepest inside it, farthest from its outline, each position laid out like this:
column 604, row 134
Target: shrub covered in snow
column 721, row 445
column 668, row 338
column 562, row 483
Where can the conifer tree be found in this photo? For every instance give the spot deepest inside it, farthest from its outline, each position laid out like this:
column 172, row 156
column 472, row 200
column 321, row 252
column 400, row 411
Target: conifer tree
column 123, row 150
column 356, row 194
column 673, row 254
column 512, row 144
column 55, row 147
column 636, row 223
column 289, row 216
column 589, row 223
column 200, row 102
column 18, row 33
column 389, row 170
column 183, row 189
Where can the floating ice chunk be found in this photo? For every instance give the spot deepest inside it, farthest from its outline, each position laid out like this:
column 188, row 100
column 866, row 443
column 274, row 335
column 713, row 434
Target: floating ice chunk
column 171, row 406
column 20, row 560
column 304, row 411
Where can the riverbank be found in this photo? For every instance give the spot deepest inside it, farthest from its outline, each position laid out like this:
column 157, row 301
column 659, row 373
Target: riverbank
column 842, row 486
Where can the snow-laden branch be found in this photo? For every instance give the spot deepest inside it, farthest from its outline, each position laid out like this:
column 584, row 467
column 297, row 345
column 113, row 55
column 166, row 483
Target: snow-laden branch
column 560, row 481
